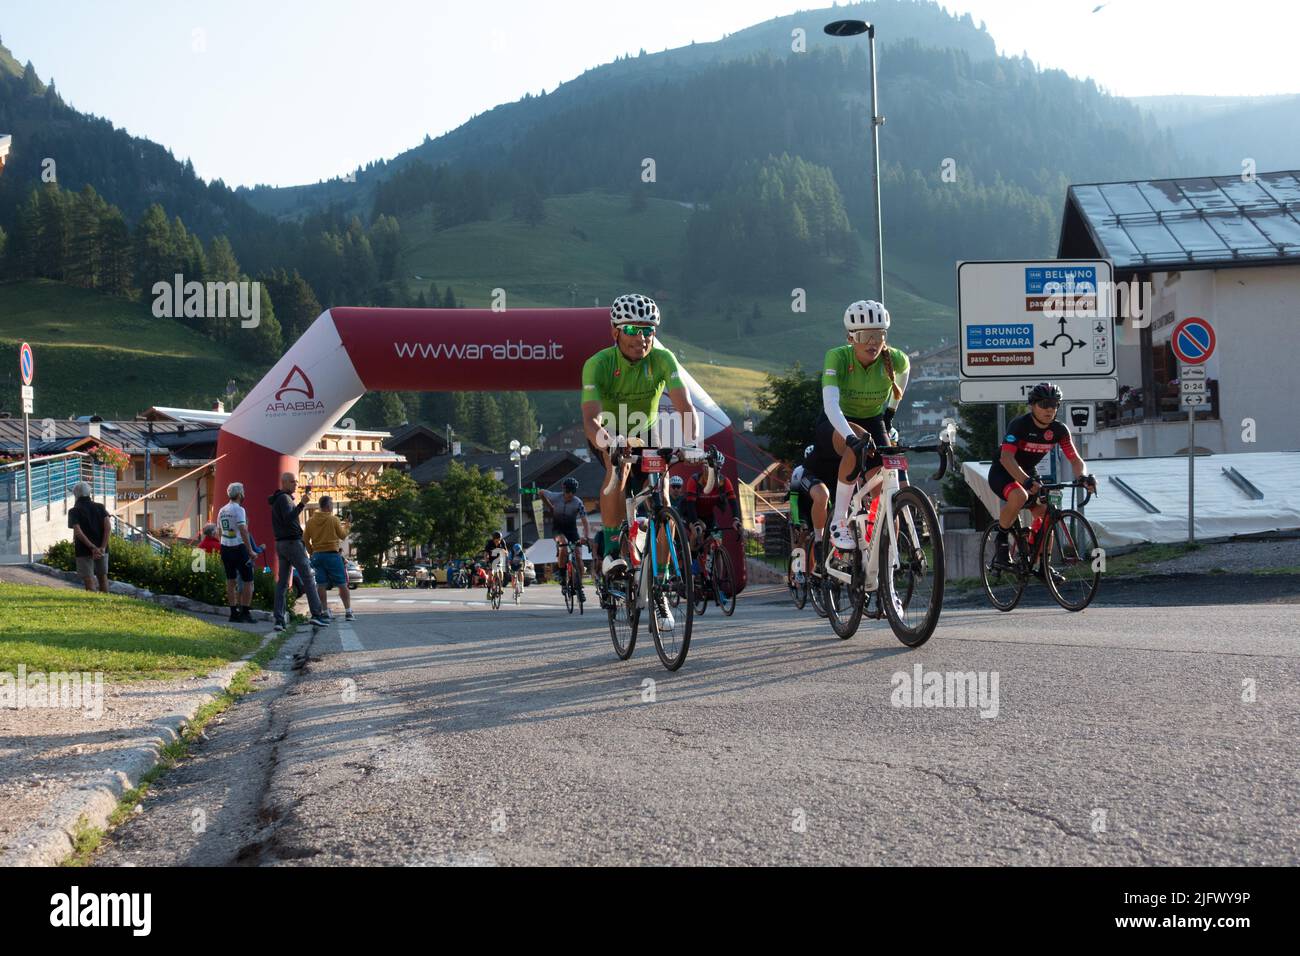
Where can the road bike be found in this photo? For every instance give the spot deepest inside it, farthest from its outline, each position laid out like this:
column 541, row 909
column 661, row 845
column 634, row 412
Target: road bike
column 1062, row 553
column 496, row 579
column 575, row 594
column 800, row 578
column 517, row 578
column 657, row 553
column 716, row 577
column 899, row 557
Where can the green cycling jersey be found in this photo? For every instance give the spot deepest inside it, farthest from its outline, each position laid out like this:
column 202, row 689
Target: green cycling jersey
column 864, row 390
column 625, row 389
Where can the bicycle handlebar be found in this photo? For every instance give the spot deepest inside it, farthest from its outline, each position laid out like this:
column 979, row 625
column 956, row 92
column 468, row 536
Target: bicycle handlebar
column 1044, row 487
column 869, row 447
column 626, row 454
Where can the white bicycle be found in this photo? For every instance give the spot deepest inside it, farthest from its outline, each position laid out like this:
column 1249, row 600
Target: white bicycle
column 903, row 568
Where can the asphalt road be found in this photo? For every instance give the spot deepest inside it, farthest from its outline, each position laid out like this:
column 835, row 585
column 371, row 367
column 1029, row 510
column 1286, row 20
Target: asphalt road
column 1157, row 727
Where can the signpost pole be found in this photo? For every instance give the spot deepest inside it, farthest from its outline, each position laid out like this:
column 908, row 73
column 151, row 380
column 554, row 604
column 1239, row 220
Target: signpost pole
column 1191, row 475
column 27, row 473
column 27, row 371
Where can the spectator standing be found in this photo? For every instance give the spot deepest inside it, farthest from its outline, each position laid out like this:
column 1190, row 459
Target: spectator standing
column 324, row 539
column 291, row 551
column 237, row 552
column 90, row 526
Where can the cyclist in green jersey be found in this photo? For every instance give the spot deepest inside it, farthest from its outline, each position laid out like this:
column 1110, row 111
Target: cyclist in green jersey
column 862, row 384
column 621, row 388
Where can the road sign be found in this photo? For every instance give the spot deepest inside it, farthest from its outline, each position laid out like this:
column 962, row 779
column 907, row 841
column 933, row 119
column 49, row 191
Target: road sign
column 1196, row 372
column 1193, row 341
column 1195, row 401
column 1040, row 319
column 1082, row 417
column 1017, row 390
column 26, row 363
column 28, row 394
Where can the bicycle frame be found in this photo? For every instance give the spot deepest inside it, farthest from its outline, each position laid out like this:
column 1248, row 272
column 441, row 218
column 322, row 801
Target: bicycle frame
column 650, row 542
column 882, row 487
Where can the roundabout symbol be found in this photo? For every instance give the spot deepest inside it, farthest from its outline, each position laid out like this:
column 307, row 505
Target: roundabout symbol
column 1071, row 343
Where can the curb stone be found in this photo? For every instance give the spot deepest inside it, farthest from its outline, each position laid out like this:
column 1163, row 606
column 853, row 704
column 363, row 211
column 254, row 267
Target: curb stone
column 50, row 841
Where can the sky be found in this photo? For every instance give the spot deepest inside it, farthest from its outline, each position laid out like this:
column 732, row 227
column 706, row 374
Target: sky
column 287, row 91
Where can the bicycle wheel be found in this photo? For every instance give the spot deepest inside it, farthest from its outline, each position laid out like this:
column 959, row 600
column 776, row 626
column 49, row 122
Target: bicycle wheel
column 700, row 586
column 724, row 581
column 913, row 592
column 577, row 578
column 668, row 572
column 619, row 600
column 1071, row 573
column 843, row 600
column 1003, row 586
column 496, row 597
column 798, row 588
column 567, row 588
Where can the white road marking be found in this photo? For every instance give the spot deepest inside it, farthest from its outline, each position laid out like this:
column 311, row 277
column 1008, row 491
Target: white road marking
column 349, row 637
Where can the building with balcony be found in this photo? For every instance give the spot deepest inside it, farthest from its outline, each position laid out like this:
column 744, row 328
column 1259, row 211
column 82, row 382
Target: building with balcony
column 1225, row 249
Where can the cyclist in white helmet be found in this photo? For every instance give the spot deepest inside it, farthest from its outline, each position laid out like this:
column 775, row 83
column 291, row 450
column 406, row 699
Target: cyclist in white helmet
column 621, row 387
column 862, row 383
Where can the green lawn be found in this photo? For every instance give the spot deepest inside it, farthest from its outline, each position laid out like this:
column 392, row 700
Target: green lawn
column 111, row 357
column 60, row 629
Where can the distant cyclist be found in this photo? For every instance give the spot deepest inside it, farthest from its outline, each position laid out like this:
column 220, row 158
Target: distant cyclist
column 621, row 387
column 862, row 384
column 676, row 488
column 706, row 490
column 567, row 510
column 809, row 493
column 1014, row 476
column 517, row 565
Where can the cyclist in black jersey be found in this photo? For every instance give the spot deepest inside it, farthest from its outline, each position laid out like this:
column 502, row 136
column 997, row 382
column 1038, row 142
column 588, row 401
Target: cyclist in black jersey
column 1013, row 476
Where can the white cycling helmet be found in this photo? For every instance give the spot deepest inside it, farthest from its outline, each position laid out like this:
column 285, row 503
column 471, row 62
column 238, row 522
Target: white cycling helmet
column 808, row 451
column 866, row 315
column 634, row 309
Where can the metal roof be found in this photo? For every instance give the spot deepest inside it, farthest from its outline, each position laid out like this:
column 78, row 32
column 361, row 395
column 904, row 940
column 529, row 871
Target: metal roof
column 1200, row 223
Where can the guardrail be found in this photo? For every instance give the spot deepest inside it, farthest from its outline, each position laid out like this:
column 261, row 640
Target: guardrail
column 52, row 479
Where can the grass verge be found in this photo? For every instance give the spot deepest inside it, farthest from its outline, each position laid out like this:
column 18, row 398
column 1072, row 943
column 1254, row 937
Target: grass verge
column 62, row 629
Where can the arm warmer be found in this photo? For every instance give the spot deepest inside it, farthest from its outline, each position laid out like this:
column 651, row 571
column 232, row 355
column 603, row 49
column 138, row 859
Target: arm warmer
column 831, row 406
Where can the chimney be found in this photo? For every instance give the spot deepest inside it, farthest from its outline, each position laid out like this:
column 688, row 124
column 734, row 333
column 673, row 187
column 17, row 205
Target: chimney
column 218, row 406
column 92, row 429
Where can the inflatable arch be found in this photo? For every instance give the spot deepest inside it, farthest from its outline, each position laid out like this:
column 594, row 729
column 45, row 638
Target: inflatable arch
column 349, row 351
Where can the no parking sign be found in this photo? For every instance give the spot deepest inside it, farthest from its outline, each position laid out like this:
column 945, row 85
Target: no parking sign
column 1193, row 341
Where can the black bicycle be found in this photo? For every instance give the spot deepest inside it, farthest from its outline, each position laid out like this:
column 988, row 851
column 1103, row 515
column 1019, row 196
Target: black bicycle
column 1063, row 554
column 571, row 579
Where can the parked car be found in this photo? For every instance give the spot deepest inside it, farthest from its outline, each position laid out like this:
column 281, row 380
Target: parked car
column 354, row 573
column 423, row 575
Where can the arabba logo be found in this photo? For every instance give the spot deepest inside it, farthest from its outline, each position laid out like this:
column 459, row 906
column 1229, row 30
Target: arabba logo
column 296, row 382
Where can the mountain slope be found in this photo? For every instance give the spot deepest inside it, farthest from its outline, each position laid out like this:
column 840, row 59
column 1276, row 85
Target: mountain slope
column 106, row 356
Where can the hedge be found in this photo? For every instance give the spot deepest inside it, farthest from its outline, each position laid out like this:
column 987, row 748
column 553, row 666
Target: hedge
column 174, row 571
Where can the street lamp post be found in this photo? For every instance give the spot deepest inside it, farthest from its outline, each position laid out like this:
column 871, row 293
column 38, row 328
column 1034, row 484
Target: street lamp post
column 849, row 28
column 518, row 453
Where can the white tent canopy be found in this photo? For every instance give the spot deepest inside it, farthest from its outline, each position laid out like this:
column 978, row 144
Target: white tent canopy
column 1222, row 508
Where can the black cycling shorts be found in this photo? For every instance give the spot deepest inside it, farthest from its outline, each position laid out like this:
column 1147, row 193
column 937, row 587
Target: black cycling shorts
column 1002, row 483
column 237, row 562
column 827, row 461
column 569, row 534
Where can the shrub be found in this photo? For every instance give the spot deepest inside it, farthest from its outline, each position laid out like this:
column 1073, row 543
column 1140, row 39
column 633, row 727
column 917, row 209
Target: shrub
column 174, row 571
